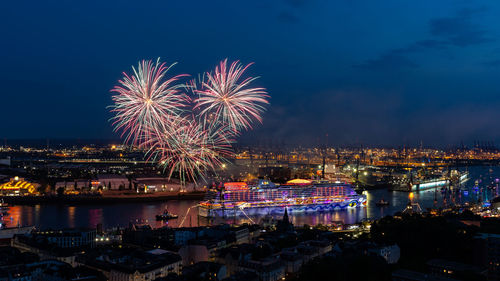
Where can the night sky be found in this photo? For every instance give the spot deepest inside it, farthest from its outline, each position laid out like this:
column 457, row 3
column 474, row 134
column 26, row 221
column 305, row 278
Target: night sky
column 372, row 72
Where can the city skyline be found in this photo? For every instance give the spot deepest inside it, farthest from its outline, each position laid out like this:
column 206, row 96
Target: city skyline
column 422, row 73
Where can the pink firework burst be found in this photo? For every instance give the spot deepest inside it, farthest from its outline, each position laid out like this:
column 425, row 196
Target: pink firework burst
column 145, row 102
column 226, row 99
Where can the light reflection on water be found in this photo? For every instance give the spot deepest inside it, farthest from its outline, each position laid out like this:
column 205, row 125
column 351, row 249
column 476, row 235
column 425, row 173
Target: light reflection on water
column 111, row 215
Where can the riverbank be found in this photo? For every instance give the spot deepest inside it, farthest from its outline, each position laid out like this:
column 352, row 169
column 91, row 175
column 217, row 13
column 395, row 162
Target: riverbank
column 100, row 199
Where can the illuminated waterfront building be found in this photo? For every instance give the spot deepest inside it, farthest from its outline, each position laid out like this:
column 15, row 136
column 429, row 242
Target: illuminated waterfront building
column 17, row 186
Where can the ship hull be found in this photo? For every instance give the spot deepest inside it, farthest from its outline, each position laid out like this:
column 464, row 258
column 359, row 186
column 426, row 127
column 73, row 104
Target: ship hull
column 429, row 185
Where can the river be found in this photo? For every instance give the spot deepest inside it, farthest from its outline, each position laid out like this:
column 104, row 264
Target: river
column 112, row 215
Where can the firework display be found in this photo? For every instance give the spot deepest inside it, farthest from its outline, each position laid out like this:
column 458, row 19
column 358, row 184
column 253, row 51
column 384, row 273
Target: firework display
column 187, row 128
column 263, row 198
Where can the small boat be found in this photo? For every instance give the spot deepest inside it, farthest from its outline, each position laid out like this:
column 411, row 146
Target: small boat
column 382, row 202
column 3, row 204
column 166, row 216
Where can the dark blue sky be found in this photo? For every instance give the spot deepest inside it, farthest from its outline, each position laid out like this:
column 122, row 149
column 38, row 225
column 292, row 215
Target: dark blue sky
column 374, row 72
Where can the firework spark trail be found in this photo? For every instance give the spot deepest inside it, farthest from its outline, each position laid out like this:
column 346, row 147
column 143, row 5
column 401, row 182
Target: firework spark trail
column 229, row 101
column 247, row 216
column 144, row 103
column 186, row 215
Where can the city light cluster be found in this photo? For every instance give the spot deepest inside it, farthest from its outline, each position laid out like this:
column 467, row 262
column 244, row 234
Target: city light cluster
column 187, row 127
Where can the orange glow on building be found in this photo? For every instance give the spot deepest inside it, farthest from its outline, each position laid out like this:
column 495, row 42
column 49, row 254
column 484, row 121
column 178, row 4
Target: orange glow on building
column 18, row 186
column 232, row 186
column 299, row 182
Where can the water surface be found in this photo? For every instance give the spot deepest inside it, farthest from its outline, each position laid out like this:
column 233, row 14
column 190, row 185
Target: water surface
column 111, row 215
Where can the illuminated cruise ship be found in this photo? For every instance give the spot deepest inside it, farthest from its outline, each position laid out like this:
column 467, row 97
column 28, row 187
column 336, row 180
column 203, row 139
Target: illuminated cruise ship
column 458, row 178
column 298, row 196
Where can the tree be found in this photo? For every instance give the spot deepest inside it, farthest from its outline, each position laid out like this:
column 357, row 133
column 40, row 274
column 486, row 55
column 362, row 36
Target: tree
column 351, row 266
column 60, row 191
column 423, row 238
